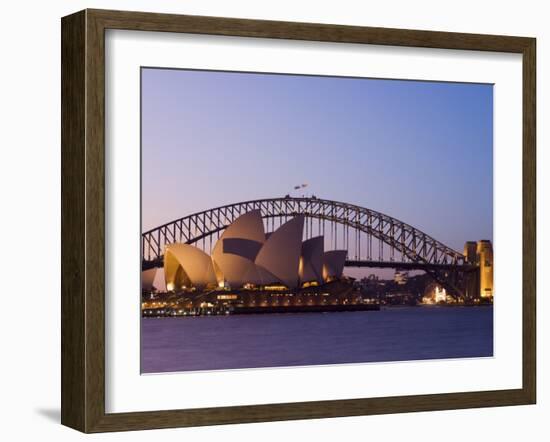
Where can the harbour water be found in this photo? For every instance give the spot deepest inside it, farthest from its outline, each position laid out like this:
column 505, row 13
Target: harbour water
column 298, row 339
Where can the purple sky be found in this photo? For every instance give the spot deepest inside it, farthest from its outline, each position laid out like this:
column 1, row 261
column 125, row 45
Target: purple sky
column 418, row 151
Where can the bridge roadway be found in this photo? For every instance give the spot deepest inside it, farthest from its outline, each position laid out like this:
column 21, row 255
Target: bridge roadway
column 369, row 264
column 409, row 265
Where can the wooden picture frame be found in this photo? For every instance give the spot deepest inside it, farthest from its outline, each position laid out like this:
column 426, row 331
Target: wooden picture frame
column 83, row 220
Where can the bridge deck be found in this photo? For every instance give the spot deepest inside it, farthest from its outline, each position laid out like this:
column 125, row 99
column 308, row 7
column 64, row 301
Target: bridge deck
column 369, row 264
column 409, row 265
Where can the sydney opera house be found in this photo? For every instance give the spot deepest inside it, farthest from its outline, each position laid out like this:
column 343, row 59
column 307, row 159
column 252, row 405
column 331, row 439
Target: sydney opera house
column 245, row 256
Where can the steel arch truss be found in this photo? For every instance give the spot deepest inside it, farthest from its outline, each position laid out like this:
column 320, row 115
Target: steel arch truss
column 411, row 244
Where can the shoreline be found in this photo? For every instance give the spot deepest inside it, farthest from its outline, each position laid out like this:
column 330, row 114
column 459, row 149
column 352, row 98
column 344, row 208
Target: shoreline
column 267, row 310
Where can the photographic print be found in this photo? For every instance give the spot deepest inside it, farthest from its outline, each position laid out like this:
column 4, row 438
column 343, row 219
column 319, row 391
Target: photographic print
column 303, row 220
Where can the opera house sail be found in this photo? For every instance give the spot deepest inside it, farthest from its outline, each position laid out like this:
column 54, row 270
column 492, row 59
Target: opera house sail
column 187, row 266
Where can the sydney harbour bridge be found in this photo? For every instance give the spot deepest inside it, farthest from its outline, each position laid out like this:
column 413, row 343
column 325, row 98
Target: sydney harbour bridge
column 372, row 239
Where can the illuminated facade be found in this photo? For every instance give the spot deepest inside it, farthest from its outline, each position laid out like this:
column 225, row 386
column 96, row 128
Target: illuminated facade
column 198, row 270
column 440, row 295
column 485, row 260
column 400, row 277
column 245, row 256
column 480, row 253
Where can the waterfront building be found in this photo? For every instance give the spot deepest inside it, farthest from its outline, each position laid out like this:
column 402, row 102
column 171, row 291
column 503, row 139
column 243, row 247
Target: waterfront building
column 245, row 257
column 400, row 277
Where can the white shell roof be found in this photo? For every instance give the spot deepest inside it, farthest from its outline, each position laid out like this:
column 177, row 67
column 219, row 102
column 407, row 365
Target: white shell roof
column 280, row 254
column 311, row 261
column 196, row 265
column 333, row 263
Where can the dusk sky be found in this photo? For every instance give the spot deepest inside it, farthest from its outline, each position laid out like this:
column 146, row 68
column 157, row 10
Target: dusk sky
column 421, row 152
